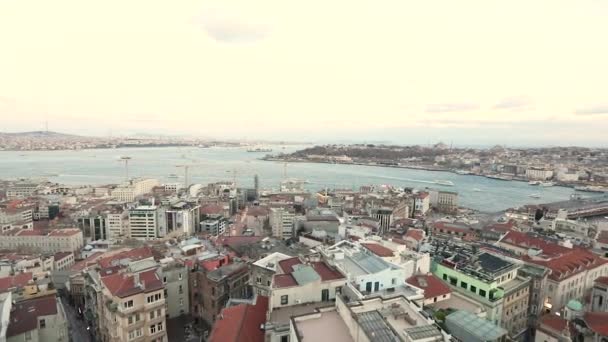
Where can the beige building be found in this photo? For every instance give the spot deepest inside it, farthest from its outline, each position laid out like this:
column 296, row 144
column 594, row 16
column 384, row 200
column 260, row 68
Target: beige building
column 515, row 306
column 281, row 221
column 132, row 307
column 136, row 187
column 58, row 240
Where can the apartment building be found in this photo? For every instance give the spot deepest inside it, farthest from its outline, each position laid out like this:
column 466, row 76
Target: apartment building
column 175, row 279
column 11, row 218
column 538, row 173
column 21, row 190
column 37, row 319
column 262, row 272
column 63, row 261
column 211, row 287
column 282, row 223
column 58, row 240
column 444, row 201
column 132, row 307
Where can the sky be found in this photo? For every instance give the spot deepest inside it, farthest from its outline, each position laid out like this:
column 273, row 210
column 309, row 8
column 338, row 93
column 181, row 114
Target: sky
column 515, row 72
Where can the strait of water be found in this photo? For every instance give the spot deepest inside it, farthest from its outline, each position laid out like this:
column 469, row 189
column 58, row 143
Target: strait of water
column 103, row 166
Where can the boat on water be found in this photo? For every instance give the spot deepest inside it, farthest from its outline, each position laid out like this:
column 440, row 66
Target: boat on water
column 259, row 149
column 591, row 188
column 546, row 184
column 173, row 176
column 463, row 172
column 534, row 183
column 477, row 190
column 500, row 177
column 534, row 195
column 444, row 182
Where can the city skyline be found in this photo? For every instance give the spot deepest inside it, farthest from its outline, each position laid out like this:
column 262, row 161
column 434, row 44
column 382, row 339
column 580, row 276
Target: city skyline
column 514, row 73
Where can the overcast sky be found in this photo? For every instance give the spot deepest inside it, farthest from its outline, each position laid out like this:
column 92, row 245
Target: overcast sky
column 472, row 71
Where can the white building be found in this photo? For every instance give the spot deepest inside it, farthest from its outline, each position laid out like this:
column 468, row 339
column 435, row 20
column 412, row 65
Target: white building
column 538, row 173
column 136, row 187
column 143, row 222
column 21, row 190
column 58, row 240
column 182, row 218
column 282, row 223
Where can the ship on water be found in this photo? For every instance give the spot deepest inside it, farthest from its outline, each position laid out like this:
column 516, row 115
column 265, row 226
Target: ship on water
column 444, row 182
column 259, row 149
column 500, row 177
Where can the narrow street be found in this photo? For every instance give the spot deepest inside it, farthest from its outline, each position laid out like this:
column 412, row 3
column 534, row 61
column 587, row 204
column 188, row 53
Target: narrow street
column 76, row 324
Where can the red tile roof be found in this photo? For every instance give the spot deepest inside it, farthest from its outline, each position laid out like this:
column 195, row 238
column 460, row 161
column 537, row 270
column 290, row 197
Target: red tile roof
column 524, row 240
column 61, row 255
column 241, row 323
column 415, row 234
column 325, row 272
column 24, row 316
column 284, row 280
column 553, row 323
column 568, row 264
column 133, row 255
column 123, row 285
column 602, row 237
column 213, row 264
column 288, row 264
column 432, row 286
column 602, row 280
column 257, row 211
column 237, row 241
column 15, row 282
column 91, row 260
column 212, row 209
column 379, row 250
column 596, row 321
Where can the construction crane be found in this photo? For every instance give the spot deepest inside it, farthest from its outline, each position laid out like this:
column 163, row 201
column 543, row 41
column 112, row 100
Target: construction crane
column 186, row 170
column 126, row 159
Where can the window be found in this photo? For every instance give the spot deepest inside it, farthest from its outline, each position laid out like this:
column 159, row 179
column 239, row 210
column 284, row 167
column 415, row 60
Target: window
column 160, row 326
column 181, row 302
column 153, row 329
column 285, row 338
column 453, row 281
column 473, row 289
column 159, row 312
column 194, row 283
column 42, row 324
column 258, row 280
column 394, row 281
column 164, row 280
column 181, row 289
column 28, row 335
column 482, row 292
column 445, row 276
column 284, row 300
column 151, row 315
column 128, row 304
column 464, row 285
column 179, row 276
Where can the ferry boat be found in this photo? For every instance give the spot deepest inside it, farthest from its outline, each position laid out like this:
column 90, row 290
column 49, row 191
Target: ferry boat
column 463, row 172
column 500, row 177
column 444, row 182
column 546, row 184
column 477, row 190
column 591, row 188
column 259, row 149
column 534, row 183
column 535, row 195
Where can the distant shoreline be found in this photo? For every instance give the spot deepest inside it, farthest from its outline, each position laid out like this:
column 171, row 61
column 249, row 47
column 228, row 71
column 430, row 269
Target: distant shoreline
column 410, row 167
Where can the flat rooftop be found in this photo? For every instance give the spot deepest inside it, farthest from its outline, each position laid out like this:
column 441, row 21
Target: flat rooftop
column 327, row 326
column 458, row 302
column 282, row 315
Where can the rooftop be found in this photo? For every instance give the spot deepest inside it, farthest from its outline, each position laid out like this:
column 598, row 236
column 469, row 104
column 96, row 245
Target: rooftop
column 483, row 329
column 432, row 286
column 241, row 323
column 379, row 250
column 24, row 316
column 282, row 315
column 125, row 285
column 324, row 326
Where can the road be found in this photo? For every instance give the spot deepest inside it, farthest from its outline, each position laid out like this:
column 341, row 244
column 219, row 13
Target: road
column 76, row 324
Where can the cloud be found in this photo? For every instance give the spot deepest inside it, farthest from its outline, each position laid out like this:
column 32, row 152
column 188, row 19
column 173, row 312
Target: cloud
column 451, row 107
column 515, row 103
column 232, row 27
column 593, row 110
